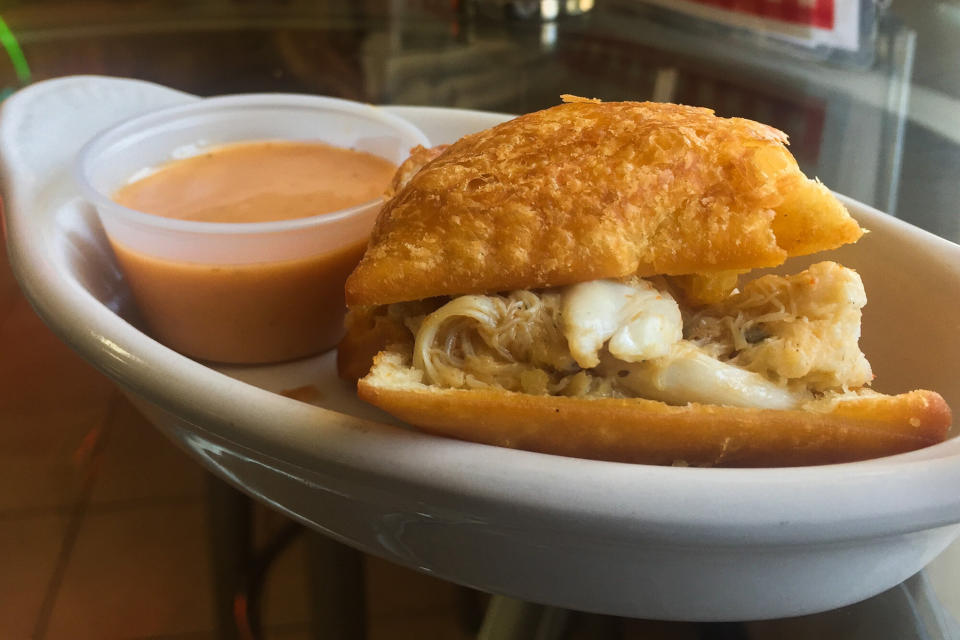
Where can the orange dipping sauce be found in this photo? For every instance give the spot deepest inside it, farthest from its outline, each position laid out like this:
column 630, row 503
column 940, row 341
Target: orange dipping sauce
column 260, row 182
column 250, row 312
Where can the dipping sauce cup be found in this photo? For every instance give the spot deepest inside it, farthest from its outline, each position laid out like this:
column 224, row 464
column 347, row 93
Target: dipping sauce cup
column 238, row 292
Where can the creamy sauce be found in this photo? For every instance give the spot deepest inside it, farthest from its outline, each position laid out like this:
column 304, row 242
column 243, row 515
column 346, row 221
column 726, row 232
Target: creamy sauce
column 261, row 312
column 260, row 182
column 256, row 312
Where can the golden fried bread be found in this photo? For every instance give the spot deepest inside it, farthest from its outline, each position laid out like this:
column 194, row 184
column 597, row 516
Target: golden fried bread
column 570, row 282
column 369, row 330
column 419, row 157
column 589, row 190
column 650, row 432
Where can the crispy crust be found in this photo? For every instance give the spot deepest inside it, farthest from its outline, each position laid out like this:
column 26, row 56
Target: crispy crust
column 650, row 432
column 369, row 331
column 419, row 157
column 590, row 190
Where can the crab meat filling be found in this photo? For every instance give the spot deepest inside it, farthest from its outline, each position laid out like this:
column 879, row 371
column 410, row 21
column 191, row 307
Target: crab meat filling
column 780, row 342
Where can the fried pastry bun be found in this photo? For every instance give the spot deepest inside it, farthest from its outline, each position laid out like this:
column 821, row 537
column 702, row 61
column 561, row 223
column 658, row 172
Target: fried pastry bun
column 568, row 282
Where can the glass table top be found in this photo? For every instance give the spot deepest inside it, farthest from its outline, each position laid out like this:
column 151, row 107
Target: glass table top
column 882, row 126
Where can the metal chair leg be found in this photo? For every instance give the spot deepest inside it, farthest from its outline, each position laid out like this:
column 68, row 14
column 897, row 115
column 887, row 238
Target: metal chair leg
column 229, row 518
column 512, row 619
column 336, row 589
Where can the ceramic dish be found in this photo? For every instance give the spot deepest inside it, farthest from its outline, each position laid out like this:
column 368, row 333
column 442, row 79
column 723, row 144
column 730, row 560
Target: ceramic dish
column 652, row 542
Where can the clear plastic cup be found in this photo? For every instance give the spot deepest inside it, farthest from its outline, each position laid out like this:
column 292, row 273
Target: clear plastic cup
column 249, row 292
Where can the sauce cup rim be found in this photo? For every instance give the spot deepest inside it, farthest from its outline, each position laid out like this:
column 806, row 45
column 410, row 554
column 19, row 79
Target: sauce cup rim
column 105, row 139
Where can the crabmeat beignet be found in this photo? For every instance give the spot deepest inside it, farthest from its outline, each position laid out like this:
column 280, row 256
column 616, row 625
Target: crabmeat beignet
column 781, row 343
column 567, row 282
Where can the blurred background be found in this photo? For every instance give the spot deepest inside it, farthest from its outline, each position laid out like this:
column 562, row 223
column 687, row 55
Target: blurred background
column 878, row 122
column 103, row 524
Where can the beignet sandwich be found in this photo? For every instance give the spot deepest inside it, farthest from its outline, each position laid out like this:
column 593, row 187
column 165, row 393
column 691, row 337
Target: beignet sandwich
column 568, row 282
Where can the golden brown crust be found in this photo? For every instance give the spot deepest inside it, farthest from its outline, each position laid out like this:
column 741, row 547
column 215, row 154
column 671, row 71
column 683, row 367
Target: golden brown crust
column 650, row 432
column 590, row 190
column 708, row 288
column 368, row 331
column 419, row 157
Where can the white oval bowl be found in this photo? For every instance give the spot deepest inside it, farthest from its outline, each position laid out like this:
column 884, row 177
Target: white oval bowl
column 633, row 540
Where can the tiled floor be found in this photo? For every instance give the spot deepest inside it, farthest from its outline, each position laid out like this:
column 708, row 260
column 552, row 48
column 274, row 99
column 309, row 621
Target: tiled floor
column 102, row 521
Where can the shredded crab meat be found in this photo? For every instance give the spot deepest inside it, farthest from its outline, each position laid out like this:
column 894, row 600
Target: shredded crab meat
column 781, row 342
column 801, row 330
column 511, row 342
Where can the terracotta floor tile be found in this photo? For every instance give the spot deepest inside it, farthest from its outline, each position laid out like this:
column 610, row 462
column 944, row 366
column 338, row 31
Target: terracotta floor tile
column 38, row 370
column 392, row 589
column 47, row 452
column 29, row 548
column 139, row 463
column 10, row 293
column 135, row 573
column 52, row 408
